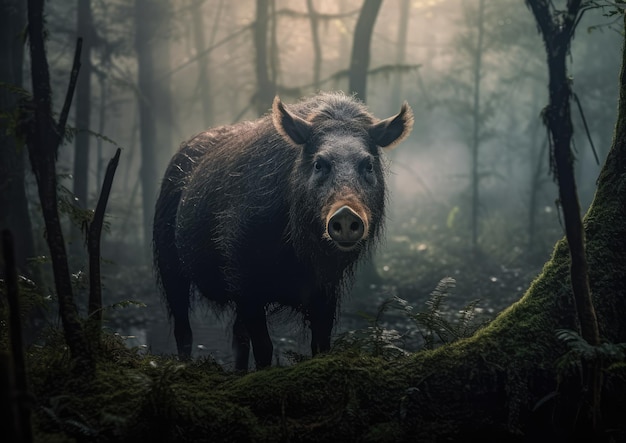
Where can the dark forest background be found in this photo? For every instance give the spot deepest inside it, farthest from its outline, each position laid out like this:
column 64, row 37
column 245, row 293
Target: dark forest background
column 472, row 197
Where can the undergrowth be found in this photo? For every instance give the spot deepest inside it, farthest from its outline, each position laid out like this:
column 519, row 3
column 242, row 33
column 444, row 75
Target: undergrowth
column 434, row 326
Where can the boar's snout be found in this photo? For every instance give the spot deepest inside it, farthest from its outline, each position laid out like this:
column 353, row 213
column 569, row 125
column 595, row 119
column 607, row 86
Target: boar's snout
column 346, row 228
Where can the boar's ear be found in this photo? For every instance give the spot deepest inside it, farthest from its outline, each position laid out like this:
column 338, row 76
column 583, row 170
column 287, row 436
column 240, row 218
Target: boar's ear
column 391, row 131
column 291, row 127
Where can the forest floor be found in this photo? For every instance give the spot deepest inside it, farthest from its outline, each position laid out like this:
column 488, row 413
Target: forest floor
column 420, row 250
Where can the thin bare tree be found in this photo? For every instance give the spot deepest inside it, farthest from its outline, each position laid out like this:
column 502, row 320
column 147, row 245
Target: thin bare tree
column 557, row 28
column 44, row 136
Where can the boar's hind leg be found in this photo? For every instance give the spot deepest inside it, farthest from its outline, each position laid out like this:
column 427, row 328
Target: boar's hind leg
column 177, row 294
column 251, row 325
column 241, row 344
column 321, row 320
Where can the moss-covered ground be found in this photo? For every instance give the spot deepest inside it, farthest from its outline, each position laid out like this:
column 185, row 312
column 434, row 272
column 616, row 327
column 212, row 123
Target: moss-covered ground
column 499, row 385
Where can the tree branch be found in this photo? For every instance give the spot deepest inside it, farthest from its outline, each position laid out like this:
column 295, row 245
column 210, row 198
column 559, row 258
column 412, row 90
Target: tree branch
column 93, row 245
column 70, row 92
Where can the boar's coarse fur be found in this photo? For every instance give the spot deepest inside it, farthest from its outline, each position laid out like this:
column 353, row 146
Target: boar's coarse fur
column 278, row 212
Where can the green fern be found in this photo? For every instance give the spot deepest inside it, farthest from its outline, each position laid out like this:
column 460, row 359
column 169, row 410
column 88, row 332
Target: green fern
column 434, row 324
column 376, row 339
column 68, row 418
column 581, row 351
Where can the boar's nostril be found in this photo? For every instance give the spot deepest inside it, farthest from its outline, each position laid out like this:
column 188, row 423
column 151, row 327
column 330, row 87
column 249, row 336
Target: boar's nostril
column 346, row 228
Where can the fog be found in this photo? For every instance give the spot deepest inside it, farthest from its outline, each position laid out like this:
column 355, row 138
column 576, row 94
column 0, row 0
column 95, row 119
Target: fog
column 202, row 73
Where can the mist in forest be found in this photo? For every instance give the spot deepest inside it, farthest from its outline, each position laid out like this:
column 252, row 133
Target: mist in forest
column 473, row 71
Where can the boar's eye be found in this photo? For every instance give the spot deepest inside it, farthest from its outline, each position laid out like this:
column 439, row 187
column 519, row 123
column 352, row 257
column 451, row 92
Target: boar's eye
column 321, row 165
column 367, row 165
column 366, row 169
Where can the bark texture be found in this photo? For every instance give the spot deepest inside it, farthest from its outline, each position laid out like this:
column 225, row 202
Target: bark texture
column 14, row 216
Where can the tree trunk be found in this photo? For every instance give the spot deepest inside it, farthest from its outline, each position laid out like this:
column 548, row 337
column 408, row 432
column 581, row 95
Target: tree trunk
column 403, row 26
column 274, row 59
column 557, row 34
column 476, row 120
column 204, row 84
column 83, row 107
column 154, row 101
column 43, row 139
column 536, row 181
column 166, row 120
column 14, row 216
column 360, row 59
column 317, row 47
column 83, row 122
column 19, row 427
column 93, row 246
column 265, row 89
column 102, row 108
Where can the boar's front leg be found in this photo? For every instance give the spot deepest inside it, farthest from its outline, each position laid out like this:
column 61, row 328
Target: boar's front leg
column 321, row 320
column 251, row 326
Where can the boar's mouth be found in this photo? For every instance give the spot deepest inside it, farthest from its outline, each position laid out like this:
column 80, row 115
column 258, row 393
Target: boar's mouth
column 346, row 246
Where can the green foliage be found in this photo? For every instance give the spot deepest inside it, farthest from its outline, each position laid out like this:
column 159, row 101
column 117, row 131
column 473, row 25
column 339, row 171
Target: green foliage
column 434, row 325
column 71, row 131
column 67, row 205
column 581, row 351
column 30, row 299
column 69, row 419
column 376, row 339
column 16, row 121
column 123, row 304
column 295, row 357
column 452, row 217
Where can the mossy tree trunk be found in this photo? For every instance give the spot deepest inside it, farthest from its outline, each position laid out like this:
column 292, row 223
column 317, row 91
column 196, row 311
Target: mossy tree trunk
column 557, row 29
